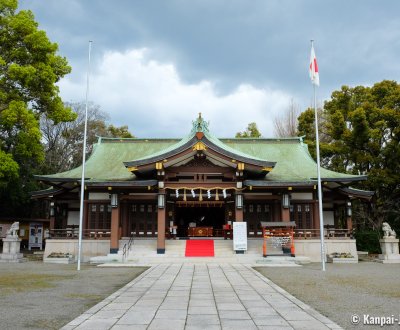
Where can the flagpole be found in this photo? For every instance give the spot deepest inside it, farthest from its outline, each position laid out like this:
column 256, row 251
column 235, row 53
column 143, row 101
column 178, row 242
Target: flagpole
column 321, row 214
column 83, row 163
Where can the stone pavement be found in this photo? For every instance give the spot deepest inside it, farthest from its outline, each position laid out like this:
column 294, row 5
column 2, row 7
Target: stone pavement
column 201, row 296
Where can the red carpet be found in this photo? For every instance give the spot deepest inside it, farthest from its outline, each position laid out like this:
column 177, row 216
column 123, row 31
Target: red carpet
column 199, row 248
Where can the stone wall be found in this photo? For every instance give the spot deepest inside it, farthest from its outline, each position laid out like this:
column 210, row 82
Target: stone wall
column 90, row 248
column 312, row 247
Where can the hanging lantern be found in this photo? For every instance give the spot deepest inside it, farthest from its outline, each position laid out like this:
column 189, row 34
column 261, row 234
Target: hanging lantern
column 208, row 194
column 285, row 201
column 348, row 209
column 193, row 193
column 239, row 201
column 161, row 201
column 114, row 200
column 224, row 193
column 177, row 193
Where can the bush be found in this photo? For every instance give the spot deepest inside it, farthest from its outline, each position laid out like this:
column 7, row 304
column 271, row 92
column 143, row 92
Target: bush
column 368, row 240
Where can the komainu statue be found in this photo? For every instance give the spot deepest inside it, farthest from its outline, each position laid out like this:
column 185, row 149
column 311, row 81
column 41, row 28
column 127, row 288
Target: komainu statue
column 387, row 230
column 12, row 232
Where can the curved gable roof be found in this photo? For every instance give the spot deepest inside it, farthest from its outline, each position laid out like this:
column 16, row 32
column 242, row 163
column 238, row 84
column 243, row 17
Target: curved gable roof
column 290, row 158
column 200, row 133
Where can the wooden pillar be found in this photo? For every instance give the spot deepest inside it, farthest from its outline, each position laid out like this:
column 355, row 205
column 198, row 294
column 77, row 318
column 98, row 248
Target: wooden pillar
column 161, row 218
column 85, row 223
column 284, row 207
column 276, row 211
column 52, row 223
column 349, row 223
column 349, row 212
column 285, row 214
column 239, row 204
column 161, row 231
column 239, row 215
column 316, row 215
column 114, row 241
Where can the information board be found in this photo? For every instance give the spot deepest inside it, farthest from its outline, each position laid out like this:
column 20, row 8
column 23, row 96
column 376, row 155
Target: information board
column 240, row 236
column 35, row 235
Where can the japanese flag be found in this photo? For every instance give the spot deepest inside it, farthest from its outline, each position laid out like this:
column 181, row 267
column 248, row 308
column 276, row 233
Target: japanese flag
column 314, row 74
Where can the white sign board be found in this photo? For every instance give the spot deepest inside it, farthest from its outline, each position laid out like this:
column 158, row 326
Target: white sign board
column 240, row 236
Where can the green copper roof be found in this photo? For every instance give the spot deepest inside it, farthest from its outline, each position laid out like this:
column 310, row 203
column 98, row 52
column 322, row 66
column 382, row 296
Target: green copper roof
column 106, row 161
column 293, row 161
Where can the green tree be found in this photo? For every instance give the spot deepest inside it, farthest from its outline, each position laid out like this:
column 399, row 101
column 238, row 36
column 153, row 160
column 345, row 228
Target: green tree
column 118, row 132
column 29, row 71
column 361, row 135
column 251, row 132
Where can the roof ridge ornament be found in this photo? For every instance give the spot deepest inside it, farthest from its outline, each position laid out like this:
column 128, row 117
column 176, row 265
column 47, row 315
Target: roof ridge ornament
column 200, row 125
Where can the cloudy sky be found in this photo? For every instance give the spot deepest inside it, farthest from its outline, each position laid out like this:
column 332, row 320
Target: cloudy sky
column 157, row 64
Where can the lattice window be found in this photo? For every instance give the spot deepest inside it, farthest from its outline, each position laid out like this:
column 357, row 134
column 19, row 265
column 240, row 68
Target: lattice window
column 299, row 216
column 307, row 215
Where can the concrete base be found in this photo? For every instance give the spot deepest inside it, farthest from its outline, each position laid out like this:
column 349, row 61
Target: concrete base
column 278, row 260
column 390, row 250
column 58, row 260
column 343, row 260
column 144, row 251
column 90, row 247
column 312, row 247
column 11, row 250
column 389, row 260
column 8, row 257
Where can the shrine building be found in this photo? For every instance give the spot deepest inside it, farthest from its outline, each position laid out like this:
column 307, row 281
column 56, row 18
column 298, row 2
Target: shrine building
column 196, row 186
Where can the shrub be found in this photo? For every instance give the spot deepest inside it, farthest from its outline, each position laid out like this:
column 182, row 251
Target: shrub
column 368, row 240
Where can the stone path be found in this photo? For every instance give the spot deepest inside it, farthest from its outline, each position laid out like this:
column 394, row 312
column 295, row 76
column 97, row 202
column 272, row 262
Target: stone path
column 201, row 296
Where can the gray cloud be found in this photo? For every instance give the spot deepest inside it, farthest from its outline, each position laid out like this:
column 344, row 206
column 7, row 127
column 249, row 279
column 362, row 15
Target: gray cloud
column 263, row 44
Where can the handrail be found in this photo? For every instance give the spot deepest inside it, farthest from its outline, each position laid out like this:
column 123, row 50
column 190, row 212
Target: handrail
column 127, row 248
column 328, row 233
column 73, row 233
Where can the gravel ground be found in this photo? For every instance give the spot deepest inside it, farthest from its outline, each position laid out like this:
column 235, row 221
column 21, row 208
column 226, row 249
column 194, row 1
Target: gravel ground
column 35, row 295
column 343, row 290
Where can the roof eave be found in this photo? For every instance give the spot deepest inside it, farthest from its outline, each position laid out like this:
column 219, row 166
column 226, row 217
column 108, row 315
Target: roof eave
column 189, row 145
column 344, row 179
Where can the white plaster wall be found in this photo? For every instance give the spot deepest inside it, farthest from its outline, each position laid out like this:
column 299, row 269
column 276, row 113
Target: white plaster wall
column 73, row 218
column 99, row 196
column 328, row 218
column 302, row 196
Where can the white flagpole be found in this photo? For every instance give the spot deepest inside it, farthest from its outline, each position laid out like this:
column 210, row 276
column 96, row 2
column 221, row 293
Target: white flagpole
column 321, row 215
column 83, row 162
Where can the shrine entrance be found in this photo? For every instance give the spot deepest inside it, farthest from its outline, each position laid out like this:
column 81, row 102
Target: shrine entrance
column 198, row 221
